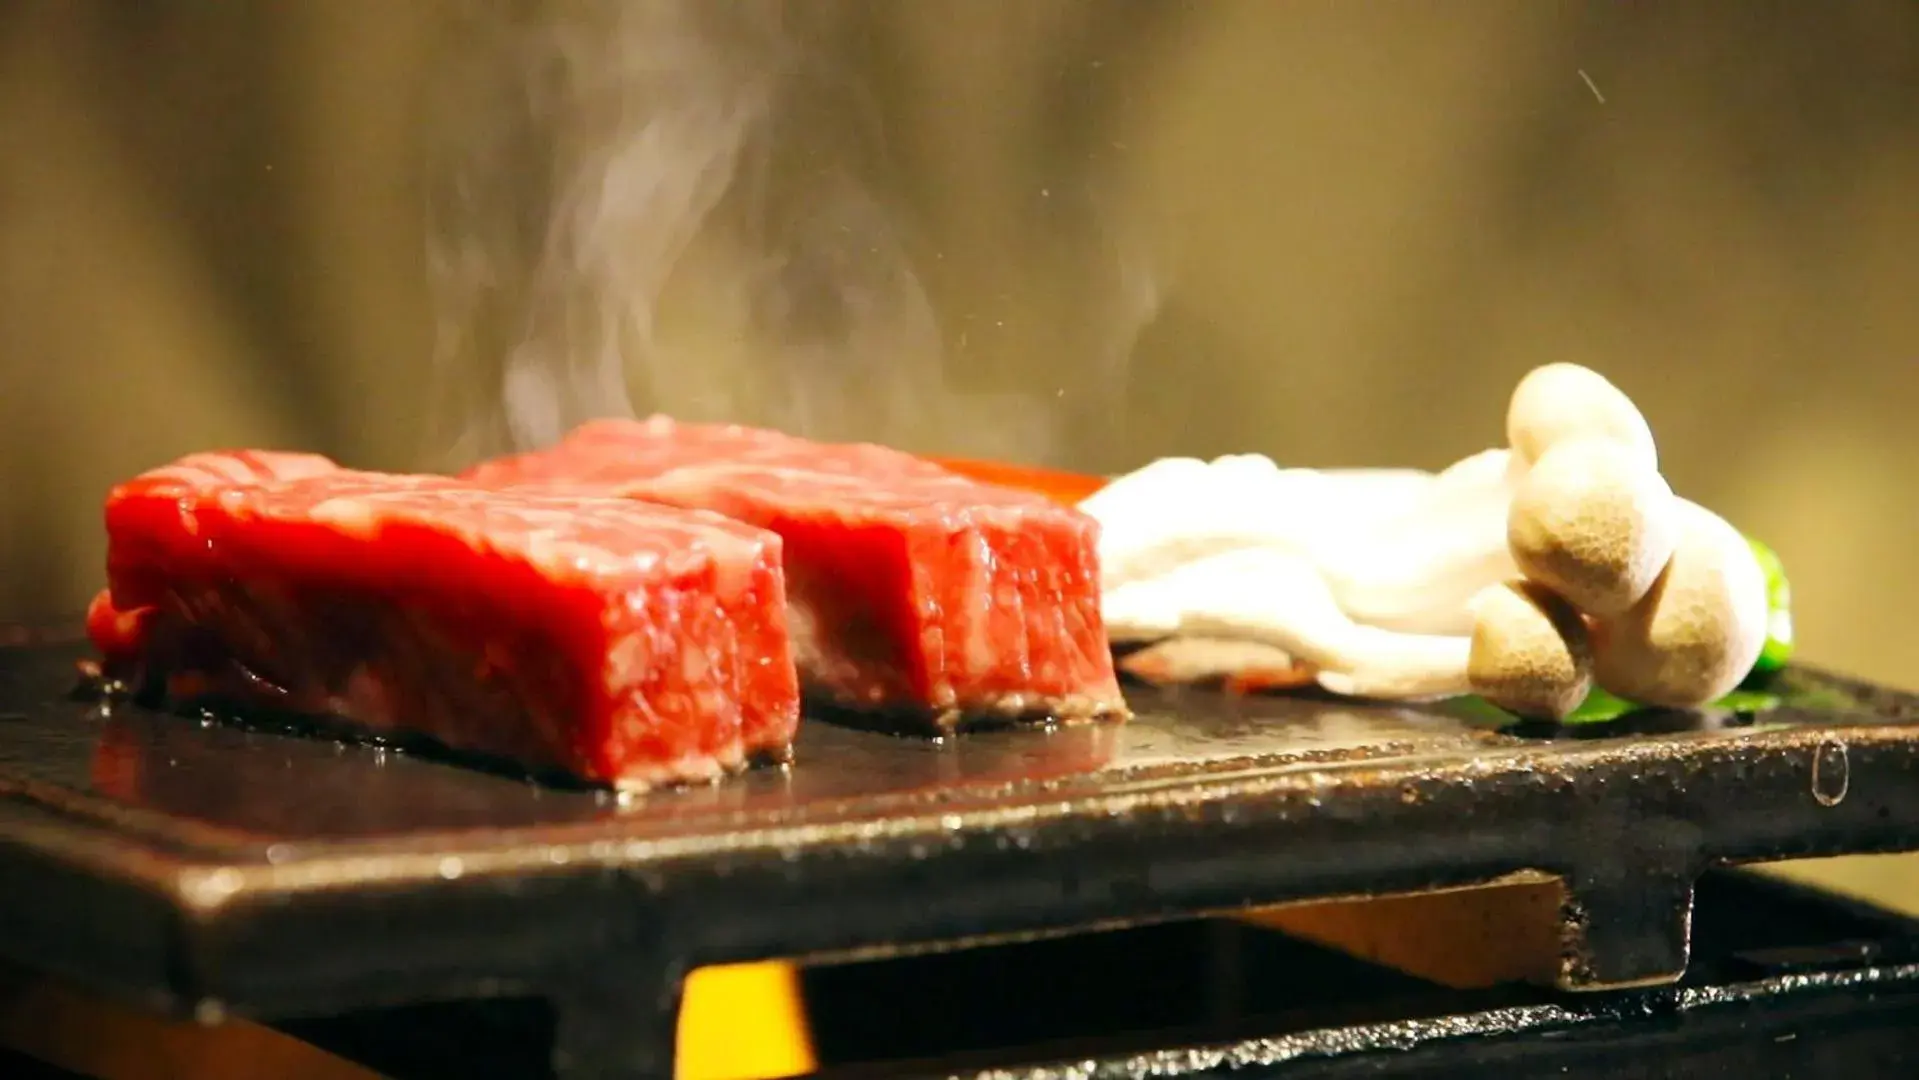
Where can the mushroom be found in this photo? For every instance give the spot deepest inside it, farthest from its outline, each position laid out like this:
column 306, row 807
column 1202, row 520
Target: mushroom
column 1480, row 579
column 1275, row 598
column 1176, row 510
column 1595, row 524
column 1530, row 654
column 1527, row 652
column 1415, row 571
column 1700, row 628
column 1401, row 549
column 1160, row 516
column 1558, row 402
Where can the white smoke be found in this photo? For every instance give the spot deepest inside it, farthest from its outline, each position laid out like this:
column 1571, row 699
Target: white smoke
column 681, row 201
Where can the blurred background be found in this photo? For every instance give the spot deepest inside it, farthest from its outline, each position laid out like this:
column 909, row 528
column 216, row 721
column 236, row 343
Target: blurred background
column 1082, row 233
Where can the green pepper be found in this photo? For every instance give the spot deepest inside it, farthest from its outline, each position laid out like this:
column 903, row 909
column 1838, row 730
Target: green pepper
column 1778, row 649
column 1600, row 706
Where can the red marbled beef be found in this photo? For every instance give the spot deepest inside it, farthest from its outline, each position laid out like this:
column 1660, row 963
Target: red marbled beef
column 121, row 634
column 623, row 642
column 915, row 591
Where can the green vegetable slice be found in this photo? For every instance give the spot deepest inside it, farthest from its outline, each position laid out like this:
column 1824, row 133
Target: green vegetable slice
column 1779, row 644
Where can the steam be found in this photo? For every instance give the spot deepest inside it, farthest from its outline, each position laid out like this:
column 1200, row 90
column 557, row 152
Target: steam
column 679, row 205
column 590, row 144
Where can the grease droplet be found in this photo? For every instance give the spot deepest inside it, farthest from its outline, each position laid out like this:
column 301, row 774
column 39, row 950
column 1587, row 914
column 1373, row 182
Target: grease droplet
column 1831, row 773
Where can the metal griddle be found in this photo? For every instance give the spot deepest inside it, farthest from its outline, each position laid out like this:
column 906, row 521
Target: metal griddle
column 209, row 868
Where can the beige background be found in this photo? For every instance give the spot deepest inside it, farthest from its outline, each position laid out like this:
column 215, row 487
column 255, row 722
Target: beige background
column 1085, row 233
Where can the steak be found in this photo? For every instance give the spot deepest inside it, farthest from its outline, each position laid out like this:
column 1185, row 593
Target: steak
column 120, row 633
column 915, row 594
column 618, row 641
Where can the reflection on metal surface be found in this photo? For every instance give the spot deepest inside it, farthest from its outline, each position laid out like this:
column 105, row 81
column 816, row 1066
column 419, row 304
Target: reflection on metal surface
column 238, row 778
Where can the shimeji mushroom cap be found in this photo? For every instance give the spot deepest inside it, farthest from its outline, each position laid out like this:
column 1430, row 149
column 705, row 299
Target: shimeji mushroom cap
column 1697, row 633
column 1530, row 654
column 1559, row 402
column 1594, row 523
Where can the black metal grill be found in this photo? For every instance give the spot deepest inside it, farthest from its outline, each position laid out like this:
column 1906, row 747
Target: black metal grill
column 199, row 864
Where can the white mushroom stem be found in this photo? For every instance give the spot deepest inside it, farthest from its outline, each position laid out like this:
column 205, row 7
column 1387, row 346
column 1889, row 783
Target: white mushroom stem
column 1416, row 571
column 1527, row 651
column 1176, row 510
column 1275, row 598
column 1168, row 513
column 1400, row 549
